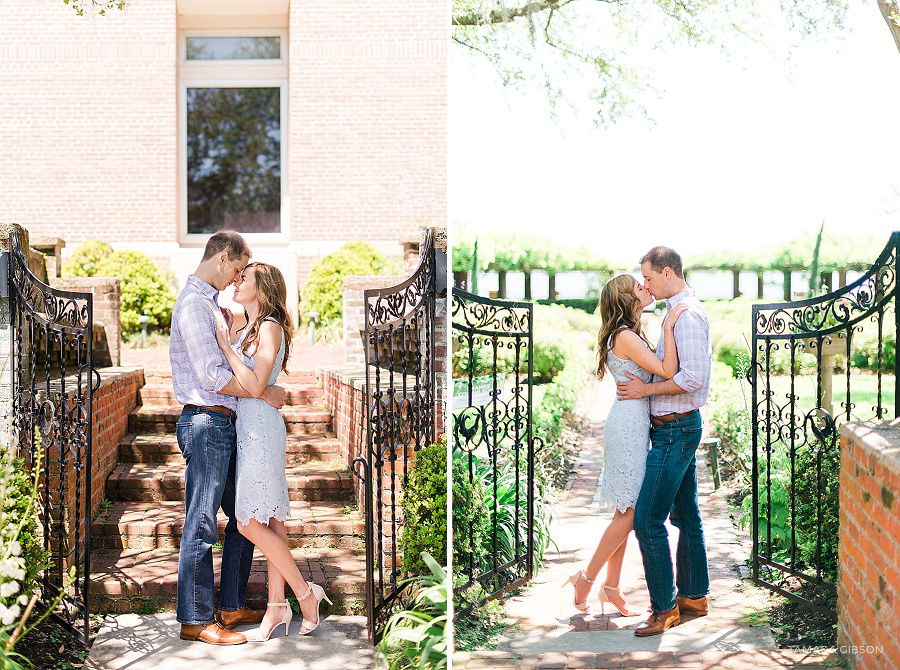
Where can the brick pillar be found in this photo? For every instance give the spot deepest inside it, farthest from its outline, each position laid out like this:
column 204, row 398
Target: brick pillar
column 354, row 312
column 107, row 310
column 869, row 544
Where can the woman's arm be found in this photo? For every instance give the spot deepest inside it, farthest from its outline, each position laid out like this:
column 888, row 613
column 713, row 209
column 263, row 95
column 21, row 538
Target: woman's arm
column 267, row 344
column 630, row 345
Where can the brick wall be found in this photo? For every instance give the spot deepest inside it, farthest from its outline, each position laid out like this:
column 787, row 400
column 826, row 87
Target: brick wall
column 869, row 545
column 113, row 401
column 344, row 389
column 89, row 142
column 107, row 309
column 88, row 129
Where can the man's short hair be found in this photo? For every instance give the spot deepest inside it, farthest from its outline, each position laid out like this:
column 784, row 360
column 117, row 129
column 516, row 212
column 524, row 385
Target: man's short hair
column 664, row 257
column 226, row 240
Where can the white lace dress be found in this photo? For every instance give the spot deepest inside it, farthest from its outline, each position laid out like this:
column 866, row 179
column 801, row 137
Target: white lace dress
column 626, row 440
column 262, row 490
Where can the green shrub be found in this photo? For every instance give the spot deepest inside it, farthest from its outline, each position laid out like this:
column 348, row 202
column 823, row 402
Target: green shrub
column 470, row 516
column 549, row 361
column 84, row 260
column 424, row 507
column 324, row 290
column 733, row 352
column 143, row 290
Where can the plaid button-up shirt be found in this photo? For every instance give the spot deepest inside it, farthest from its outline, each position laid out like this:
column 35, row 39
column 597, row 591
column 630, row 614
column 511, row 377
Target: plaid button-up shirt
column 694, row 358
column 199, row 368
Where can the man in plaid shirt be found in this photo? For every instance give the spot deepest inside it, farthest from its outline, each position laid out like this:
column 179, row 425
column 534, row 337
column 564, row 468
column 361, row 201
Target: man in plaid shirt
column 203, row 382
column 670, row 482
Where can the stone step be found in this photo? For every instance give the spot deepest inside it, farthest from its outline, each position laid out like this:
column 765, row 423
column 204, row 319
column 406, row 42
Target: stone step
column 297, row 394
column 133, row 579
column 314, row 482
column 299, row 420
column 164, row 376
column 135, row 525
column 163, row 448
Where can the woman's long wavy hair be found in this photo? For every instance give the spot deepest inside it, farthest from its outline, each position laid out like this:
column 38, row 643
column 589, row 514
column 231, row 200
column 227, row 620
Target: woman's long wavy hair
column 619, row 308
column 271, row 294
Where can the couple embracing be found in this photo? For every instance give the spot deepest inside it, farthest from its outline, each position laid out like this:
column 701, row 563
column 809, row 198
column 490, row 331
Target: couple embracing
column 650, row 439
column 233, row 440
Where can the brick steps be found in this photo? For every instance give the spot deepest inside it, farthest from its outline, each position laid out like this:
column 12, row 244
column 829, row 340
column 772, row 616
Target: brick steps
column 163, row 448
column 135, row 525
column 122, row 580
column 297, row 394
column 165, row 481
column 298, row 419
column 136, row 538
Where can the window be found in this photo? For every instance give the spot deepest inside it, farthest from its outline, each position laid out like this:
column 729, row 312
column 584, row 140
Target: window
column 233, row 91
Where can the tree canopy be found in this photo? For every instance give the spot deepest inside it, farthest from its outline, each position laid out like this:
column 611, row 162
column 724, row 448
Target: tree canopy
column 521, row 253
column 584, row 51
column 837, row 252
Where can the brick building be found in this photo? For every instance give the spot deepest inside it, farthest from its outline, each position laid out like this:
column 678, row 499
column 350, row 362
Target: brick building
column 302, row 124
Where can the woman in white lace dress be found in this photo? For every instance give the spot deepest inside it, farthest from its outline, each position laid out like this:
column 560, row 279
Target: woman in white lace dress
column 623, row 348
column 261, row 500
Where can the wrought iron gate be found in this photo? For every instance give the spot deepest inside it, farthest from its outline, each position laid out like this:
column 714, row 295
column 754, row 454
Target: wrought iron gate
column 53, row 380
column 493, row 352
column 400, row 382
column 803, row 357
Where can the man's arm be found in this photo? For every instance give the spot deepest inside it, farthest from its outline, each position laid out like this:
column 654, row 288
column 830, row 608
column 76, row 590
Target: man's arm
column 274, row 395
column 631, row 390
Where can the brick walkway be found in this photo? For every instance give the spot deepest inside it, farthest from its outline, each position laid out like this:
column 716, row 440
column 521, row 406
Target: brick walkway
column 547, row 632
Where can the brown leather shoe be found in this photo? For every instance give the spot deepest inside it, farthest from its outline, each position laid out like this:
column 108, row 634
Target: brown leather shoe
column 244, row 615
column 212, row 633
column 692, row 607
column 659, row 622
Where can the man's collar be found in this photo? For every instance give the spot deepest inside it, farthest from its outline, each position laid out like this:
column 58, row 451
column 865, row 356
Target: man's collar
column 678, row 297
column 206, row 289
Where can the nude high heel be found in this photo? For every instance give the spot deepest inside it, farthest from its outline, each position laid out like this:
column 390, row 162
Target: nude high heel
column 573, row 580
column 603, row 597
column 256, row 635
column 319, row 594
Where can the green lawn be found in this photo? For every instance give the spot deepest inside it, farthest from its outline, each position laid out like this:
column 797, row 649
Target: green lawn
column 863, row 393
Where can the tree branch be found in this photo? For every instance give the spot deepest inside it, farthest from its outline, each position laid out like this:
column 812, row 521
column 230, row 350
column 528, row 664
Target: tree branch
column 891, row 13
column 508, row 14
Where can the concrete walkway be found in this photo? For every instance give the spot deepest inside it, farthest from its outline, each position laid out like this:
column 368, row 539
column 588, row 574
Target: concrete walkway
column 547, row 632
column 151, row 642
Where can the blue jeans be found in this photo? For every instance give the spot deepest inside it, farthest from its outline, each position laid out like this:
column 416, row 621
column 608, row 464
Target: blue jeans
column 670, row 490
column 208, row 442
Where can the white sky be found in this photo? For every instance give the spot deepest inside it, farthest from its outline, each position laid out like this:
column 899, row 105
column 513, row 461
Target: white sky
column 743, row 153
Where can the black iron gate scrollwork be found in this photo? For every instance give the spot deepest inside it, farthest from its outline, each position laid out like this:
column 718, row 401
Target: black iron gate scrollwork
column 53, row 379
column 802, row 361
column 400, row 418
column 493, row 350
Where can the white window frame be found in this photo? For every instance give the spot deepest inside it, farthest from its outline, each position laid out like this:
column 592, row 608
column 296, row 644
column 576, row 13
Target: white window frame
column 239, row 32
column 232, row 74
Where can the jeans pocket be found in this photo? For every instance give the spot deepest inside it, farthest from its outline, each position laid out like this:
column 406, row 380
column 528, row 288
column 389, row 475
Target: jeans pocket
column 690, row 440
column 184, row 431
column 217, row 420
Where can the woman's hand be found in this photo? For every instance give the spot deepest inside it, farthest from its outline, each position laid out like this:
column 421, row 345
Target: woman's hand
column 223, row 335
column 674, row 313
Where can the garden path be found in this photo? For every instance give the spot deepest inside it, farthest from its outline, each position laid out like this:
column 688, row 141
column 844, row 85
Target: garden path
column 546, row 632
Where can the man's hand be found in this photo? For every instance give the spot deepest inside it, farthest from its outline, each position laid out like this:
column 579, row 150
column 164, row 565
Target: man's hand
column 633, row 389
column 274, row 395
column 229, row 316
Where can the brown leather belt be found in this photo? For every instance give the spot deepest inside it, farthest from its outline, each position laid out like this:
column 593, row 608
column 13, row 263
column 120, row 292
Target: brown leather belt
column 221, row 409
column 671, row 416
